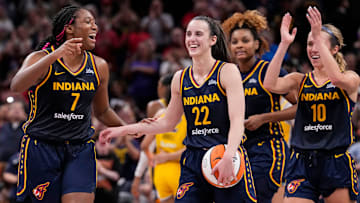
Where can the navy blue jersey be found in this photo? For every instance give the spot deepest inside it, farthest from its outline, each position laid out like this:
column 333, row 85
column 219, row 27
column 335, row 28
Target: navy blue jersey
column 206, row 109
column 61, row 104
column 323, row 117
column 258, row 100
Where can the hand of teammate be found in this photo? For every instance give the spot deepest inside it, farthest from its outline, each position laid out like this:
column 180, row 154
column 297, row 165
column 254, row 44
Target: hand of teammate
column 254, row 122
column 70, row 47
column 148, row 120
column 225, row 168
column 314, row 17
column 160, row 158
column 286, row 36
column 108, row 134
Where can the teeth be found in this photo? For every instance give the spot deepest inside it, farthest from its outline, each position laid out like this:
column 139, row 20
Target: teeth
column 193, row 46
column 315, row 57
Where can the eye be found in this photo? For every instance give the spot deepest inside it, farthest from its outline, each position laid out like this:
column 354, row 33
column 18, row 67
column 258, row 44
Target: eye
column 245, row 40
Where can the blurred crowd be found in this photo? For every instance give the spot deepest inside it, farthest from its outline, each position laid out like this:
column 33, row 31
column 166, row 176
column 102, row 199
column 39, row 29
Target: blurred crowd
column 142, row 41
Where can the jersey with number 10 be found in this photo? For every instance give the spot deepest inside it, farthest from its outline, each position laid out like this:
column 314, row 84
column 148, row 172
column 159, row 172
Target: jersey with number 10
column 323, row 117
column 205, row 108
column 60, row 105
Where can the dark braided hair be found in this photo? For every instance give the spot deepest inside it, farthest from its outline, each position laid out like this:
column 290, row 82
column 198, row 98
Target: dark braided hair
column 66, row 16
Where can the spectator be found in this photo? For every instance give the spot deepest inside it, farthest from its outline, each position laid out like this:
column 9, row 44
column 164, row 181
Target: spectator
column 158, row 24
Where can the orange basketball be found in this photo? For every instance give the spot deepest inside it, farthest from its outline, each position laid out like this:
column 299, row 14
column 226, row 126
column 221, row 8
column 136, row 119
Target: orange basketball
column 212, row 157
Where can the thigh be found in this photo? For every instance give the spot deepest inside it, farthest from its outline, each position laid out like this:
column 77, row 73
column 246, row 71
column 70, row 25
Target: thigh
column 298, row 182
column 78, row 197
column 39, row 173
column 164, row 176
column 192, row 186
column 339, row 173
column 80, row 169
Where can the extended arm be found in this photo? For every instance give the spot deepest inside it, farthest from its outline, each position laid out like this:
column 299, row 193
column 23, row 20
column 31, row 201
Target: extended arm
column 272, row 81
column 36, row 65
column 348, row 80
column 163, row 124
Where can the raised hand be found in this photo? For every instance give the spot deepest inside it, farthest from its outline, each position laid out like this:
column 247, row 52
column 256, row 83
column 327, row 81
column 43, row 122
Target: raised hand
column 314, row 17
column 70, row 47
column 287, row 37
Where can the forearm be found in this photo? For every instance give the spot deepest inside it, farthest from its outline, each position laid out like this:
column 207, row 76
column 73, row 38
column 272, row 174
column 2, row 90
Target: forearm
column 175, row 156
column 236, row 133
column 273, row 70
column 29, row 76
column 141, row 165
column 328, row 60
column 283, row 115
column 10, row 178
column 156, row 127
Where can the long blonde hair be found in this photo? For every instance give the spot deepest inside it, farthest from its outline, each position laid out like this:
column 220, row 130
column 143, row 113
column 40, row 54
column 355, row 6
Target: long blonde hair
column 336, row 38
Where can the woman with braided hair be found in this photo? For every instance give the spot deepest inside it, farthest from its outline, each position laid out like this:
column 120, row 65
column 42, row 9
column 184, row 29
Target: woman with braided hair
column 64, row 81
column 264, row 136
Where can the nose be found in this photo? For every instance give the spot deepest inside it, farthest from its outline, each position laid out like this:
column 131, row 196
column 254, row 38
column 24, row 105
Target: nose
column 94, row 27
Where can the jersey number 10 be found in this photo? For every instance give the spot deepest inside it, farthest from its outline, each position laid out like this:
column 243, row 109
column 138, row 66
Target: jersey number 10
column 319, row 112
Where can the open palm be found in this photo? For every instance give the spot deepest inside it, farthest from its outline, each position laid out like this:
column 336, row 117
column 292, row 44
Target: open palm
column 286, row 36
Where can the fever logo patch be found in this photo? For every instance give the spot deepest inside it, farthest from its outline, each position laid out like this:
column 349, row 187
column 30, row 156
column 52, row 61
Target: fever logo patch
column 293, row 185
column 183, row 189
column 40, row 190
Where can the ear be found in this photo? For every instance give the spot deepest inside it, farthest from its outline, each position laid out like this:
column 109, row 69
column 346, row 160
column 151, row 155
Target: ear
column 257, row 45
column 335, row 50
column 69, row 29
column 213, row 40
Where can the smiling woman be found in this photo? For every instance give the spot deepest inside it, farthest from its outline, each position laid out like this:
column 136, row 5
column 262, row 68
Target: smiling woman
column 211, row 96
column 63, row 80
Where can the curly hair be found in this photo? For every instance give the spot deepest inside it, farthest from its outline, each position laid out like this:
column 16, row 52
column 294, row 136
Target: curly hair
column 252, row 20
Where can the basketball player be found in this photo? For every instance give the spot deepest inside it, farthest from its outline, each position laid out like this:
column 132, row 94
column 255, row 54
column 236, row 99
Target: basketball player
column 319, row 163
column 264, row 143
column 57, row 161
column 210, row 94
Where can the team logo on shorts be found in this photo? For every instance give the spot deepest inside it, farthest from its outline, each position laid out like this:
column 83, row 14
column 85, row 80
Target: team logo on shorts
column 293, row 185
column 182, row 190
column 40, row 190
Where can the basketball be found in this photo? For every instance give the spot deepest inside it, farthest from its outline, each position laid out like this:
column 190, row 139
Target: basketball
column 212, row 157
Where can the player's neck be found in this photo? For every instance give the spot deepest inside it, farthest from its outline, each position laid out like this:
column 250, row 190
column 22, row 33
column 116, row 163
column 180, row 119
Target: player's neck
column 74, row 61
column 246, row 65
column 320, row 75
column 202, row 65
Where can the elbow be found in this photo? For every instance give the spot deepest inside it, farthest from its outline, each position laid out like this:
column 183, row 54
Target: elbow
column 15, row 87
column 268, row 86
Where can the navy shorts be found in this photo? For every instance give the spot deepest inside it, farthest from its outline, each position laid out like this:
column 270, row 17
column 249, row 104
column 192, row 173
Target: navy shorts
column 195, row 189
column 268, row 162
column 311, row 174
column 48, row 171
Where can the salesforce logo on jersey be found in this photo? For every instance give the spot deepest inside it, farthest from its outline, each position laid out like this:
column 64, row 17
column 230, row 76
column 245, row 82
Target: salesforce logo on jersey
column 205, row 131
column 68, row 117
column 318, row 127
